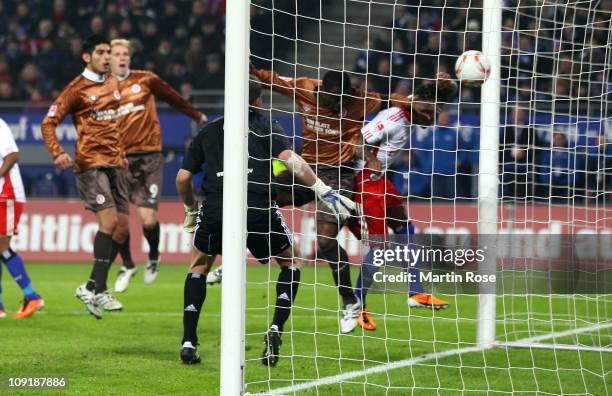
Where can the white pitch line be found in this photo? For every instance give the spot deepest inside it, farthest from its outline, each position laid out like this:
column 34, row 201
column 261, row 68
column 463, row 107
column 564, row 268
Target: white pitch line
column 566, row 347
column 412, row 361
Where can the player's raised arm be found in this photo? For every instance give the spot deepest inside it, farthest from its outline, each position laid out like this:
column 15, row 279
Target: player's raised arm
column 163, row 90
column 56, row 114
column 287, row 86
column 339, row 204
column 428, row 100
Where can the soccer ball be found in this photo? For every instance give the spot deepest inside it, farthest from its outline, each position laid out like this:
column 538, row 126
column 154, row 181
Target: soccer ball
column 472, row 68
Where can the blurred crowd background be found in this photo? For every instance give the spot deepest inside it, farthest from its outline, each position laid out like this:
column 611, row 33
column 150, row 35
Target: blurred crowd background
column 556, row 79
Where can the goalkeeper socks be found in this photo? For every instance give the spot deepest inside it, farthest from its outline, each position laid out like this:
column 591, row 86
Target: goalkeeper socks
column 194, row 295
column 286, row 290
column 337, row 258
column 14, row 265
column 152, row 237
column 366, row 276
column 103, row 245
column 126, row 254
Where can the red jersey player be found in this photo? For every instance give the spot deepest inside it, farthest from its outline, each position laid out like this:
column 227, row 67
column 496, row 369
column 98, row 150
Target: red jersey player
column 381, row 205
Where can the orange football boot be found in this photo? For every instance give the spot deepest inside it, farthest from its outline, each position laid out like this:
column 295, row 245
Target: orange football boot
column 425, row 300
column 365, row 320
column 2, row 313
column 28, row 307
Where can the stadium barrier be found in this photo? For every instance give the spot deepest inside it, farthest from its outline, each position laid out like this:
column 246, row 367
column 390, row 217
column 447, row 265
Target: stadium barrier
column 63, row 231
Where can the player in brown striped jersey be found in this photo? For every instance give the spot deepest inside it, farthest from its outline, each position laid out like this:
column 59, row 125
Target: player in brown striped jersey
column 333, row 112
column 142, row 141
column 92, row 99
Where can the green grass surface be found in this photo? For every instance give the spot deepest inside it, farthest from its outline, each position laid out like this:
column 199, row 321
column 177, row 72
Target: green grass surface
column 136, row 351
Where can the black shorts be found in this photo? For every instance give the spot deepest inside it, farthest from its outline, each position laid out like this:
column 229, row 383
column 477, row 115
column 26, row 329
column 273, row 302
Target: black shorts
column 102, row 188
column 145, row 177
column 267, row 233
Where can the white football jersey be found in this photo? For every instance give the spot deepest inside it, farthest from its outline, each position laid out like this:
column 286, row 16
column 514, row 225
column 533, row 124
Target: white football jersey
column 389, row 130
column 11, row 186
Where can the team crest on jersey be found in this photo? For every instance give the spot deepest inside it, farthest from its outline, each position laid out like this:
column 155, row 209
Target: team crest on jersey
column 136, row 88
column 52, row 111
column 93, row 98
column 100, row 199
column 307, row 109
column 117, row 94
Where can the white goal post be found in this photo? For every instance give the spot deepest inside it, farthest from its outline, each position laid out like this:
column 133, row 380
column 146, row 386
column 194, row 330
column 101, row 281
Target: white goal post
column 488, row 179
column 236, row 131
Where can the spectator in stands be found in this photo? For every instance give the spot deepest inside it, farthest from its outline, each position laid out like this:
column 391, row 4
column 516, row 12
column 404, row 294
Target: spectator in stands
column 5, row 73
column 214, row 77
column 169, row 19
column 517, row 150
column 557, row 169
column 31, row 82
column 444, row 158
column 599, row 170
column 6, row 92
column 406, row 178
column 195, row 60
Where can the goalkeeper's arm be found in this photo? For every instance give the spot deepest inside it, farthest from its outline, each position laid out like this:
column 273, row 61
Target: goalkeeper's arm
column 341, row 205
column 185, row 188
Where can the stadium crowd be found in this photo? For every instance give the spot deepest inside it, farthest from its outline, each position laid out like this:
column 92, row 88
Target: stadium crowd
column 40, row 42
column 549, row 55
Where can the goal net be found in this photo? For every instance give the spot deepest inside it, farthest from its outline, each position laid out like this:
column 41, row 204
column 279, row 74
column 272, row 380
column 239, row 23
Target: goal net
column 547, row 326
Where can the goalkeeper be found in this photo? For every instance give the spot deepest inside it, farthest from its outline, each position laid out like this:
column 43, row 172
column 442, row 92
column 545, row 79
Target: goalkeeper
column 267, row 233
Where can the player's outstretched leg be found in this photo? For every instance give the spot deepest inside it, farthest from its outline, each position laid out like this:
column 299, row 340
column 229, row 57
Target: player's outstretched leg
column 286, row 290
column 151, row 234
column 364, row 282
column 338, row 261
column 194, row 294
column 417, row 297
column 32, row 302
column 128, row 269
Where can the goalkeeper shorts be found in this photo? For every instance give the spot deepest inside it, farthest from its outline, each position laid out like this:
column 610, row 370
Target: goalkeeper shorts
column 267, row 233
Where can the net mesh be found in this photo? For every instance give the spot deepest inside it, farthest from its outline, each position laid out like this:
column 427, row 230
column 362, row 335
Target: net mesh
column 554, row 174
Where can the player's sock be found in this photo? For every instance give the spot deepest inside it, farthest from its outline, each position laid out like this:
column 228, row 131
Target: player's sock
column 126, row 254
column 286, row 289
column 152, row 237
column 114, row 252
column 414, row 286
column 14, row 265
column 194, row 295
column 338, row 261
column 1, row 305
column 366, row 277
column 103, row 245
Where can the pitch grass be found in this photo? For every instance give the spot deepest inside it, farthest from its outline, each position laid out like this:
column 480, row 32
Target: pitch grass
column 136, row 351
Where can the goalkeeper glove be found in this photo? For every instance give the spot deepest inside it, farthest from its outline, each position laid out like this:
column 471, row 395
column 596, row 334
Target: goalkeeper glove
column 340, row 205
column 191, row 218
